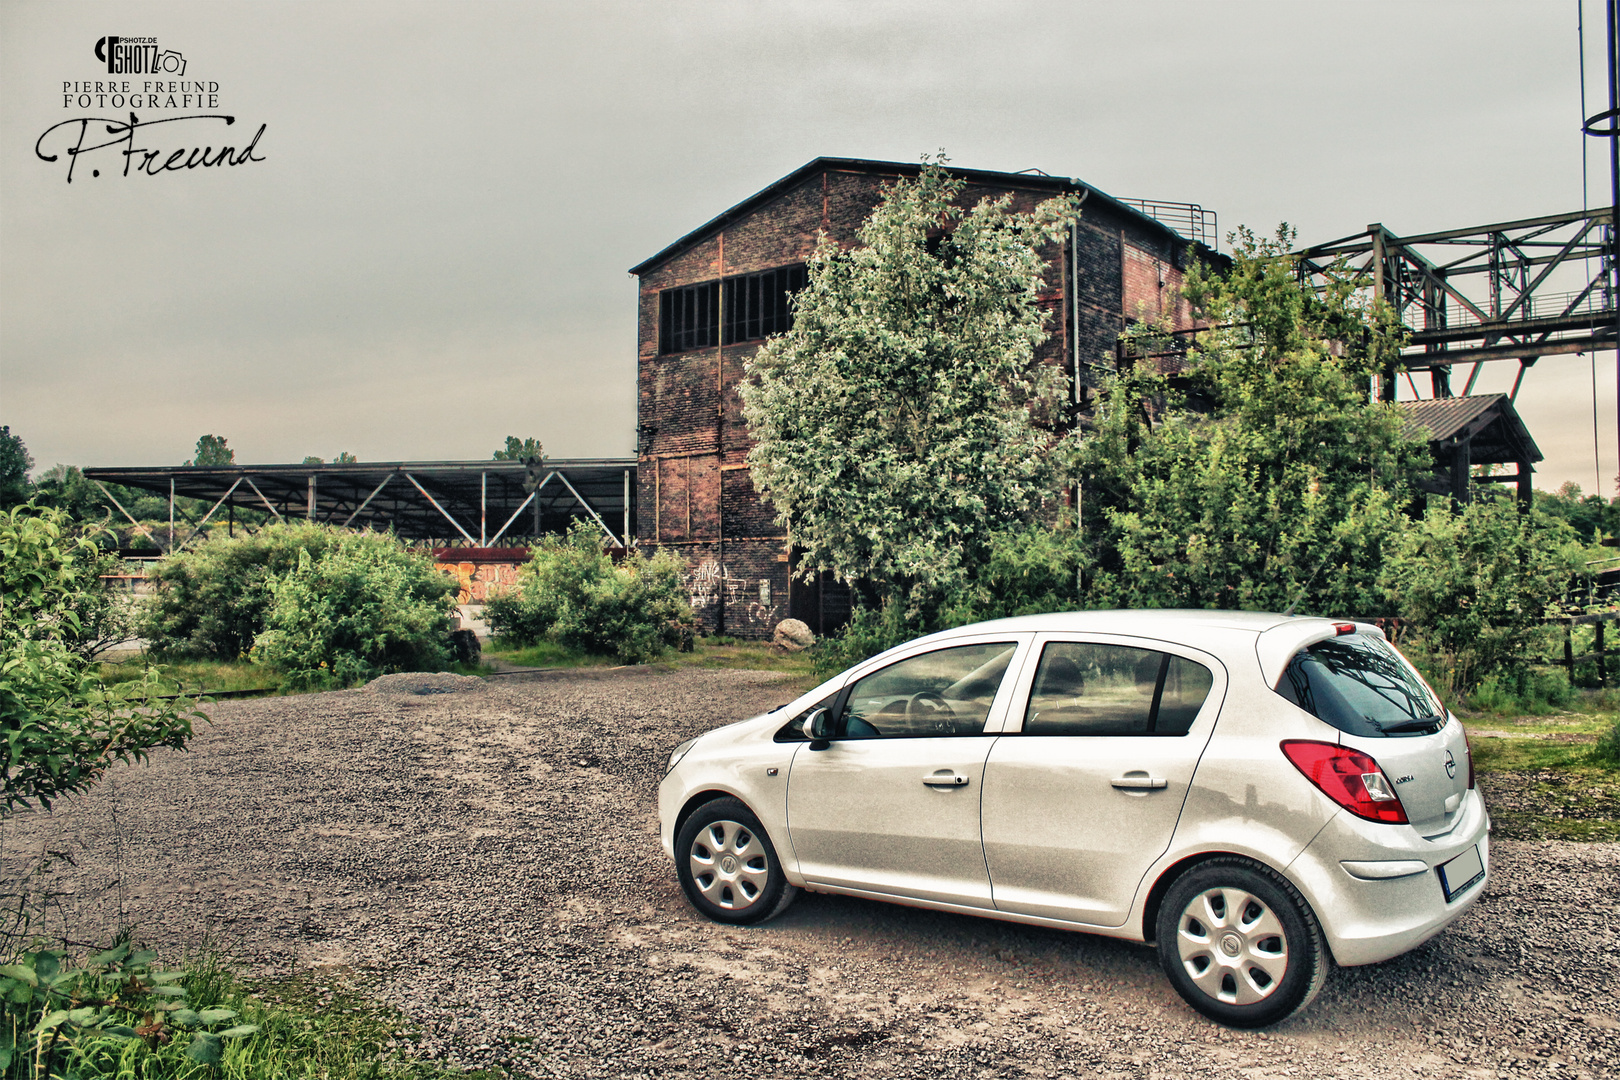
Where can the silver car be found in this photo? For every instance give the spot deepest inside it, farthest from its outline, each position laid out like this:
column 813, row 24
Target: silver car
column 1259, row 795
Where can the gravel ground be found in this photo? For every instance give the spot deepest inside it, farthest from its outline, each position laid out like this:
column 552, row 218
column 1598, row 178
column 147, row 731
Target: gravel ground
column 484, row 857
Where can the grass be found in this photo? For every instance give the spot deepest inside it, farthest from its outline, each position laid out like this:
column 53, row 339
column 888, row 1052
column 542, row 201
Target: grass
column 707, row 652
column 1541, row 777
column 213, row 676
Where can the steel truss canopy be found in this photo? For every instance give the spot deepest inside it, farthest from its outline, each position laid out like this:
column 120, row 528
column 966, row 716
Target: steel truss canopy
column 471, row 503
column 1517, row 290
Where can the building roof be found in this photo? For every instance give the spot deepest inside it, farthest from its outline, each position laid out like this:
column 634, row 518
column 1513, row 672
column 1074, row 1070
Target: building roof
column 1488, row 422
column 1057, row 185
column 479, row 501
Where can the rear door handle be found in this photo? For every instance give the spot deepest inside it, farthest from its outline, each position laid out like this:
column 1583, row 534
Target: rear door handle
column 1152, row 783
column 945, row 779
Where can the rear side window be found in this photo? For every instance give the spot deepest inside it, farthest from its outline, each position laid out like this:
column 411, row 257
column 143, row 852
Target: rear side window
column 1091, row 689
column 1361, row 686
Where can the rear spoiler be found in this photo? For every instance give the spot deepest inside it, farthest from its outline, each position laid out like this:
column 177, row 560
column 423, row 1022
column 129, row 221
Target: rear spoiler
column 1277, row 646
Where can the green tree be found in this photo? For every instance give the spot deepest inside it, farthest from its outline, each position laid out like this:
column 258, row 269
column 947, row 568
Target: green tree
column 14, row 466
column 1285, row 485
column 519, row 449
column 61, row 728
column 213, row 453
column 897, row 425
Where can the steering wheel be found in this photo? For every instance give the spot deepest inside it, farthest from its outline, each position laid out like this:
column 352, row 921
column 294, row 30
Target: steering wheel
column 929, row 706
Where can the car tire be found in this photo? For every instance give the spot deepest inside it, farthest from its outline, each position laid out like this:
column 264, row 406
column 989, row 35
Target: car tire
column 728, row 865
column 1240, row 944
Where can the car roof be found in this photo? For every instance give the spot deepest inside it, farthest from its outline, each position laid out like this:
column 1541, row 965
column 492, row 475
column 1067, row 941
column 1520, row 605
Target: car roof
column 1153, row 623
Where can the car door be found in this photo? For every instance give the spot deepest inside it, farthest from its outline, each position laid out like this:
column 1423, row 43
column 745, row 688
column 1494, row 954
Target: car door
column 1083, row 791
column 890, row 804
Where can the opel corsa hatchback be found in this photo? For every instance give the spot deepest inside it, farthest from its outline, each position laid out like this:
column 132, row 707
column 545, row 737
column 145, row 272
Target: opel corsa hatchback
column 1258, row 795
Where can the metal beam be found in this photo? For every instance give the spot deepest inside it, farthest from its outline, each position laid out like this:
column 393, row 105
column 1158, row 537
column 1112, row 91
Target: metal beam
column 440, row 509
column 373, row 495
column 260, row 494
column 591, row 510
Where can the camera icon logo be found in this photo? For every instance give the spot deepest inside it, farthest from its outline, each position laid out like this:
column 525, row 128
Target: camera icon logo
column 171, row 63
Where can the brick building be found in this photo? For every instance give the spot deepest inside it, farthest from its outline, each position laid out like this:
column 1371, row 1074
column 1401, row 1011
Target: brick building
column 708, row 300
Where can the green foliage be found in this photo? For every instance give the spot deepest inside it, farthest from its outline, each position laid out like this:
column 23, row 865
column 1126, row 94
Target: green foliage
column 213, row 453
column 14, row 466
column 60, row 725
column 1285, row 486
column 84, row 1020
column 520, row 449
column 1590, row 516
column 1521, row 690
column 1479, row 583
column 367, row 606
column 570, row 592
column 214, row 601
column 896, row 425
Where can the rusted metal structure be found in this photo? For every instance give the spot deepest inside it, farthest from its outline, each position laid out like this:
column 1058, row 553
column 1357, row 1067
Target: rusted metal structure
column 1516, row 290
column 1463, row 432
column 456, row 503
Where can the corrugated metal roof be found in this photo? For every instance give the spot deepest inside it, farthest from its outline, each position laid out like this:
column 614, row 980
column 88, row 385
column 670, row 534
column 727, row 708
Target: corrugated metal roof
column 1443, row 418
column 1489, row 421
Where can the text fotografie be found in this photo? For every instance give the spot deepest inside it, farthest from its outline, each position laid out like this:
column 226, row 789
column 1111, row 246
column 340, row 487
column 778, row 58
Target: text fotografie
column 151, row 162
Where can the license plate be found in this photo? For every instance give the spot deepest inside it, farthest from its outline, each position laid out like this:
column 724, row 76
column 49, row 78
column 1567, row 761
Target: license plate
column 1461, row 872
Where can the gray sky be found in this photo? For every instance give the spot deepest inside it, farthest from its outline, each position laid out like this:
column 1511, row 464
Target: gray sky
column 431, row 254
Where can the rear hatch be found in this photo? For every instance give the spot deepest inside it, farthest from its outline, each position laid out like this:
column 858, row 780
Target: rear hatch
column 1358, row 683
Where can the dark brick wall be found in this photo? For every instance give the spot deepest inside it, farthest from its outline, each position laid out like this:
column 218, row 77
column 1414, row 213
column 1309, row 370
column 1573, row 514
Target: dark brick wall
column 696, row 494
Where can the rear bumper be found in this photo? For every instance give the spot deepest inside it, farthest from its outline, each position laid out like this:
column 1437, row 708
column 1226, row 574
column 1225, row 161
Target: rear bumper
column 1389, row 899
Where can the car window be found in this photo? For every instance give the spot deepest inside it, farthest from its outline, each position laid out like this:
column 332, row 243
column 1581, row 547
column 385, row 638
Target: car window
column 1082, row 688
column 944, row 692
column 1361, row 686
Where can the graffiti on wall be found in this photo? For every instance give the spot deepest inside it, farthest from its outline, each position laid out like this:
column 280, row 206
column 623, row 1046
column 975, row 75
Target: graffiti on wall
column 748, row 601
column 477, row 581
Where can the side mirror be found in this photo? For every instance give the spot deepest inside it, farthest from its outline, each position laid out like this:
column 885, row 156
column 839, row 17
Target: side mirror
column 817, row 727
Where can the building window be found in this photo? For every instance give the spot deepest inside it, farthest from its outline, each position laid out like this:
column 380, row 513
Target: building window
column 689, row 318
column 755, row 306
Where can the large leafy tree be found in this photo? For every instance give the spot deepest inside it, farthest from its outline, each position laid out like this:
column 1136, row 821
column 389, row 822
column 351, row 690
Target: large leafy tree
column 1284, row 485
column 213, row 453
column 897, row 425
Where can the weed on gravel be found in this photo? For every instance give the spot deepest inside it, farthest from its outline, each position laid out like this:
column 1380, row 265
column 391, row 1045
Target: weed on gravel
column 1542, row 775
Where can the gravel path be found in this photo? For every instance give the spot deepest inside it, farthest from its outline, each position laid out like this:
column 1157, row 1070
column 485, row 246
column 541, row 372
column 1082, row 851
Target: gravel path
column 484, row 856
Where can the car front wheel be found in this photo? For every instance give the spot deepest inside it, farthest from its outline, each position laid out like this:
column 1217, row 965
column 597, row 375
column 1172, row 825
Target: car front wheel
column 728, row 866
column 1240, row 944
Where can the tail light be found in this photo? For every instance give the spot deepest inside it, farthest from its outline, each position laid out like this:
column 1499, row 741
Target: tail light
column 1468, row 748
column 1348, row 777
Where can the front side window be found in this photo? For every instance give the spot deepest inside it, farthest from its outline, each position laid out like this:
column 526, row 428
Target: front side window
column 944, row 692
column 1361, row 686
column 1083, row 688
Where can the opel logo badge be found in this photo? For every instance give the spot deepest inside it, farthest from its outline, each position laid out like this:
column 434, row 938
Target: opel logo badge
column 728, row 865
column 1451, row 765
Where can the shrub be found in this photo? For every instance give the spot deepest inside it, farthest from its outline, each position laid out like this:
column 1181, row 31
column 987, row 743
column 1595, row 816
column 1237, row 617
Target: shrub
column 1607, row 750
column 61, row 727
column 365, row 606
column 1477, row 582
column 214, row 602
column 570, row 592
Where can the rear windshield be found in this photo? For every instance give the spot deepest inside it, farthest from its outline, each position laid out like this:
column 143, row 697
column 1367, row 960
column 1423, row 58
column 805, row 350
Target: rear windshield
column 1361, row 686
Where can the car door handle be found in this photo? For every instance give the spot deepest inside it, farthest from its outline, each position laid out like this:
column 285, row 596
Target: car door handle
column 1152, row 783
column 945, row 779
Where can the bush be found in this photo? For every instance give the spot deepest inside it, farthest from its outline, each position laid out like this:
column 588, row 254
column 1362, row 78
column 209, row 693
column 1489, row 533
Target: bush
column 214, row 602
column 570, row 592
column 365, row 606
column 1607, row 750
column 1478, row 584
column 61, row 727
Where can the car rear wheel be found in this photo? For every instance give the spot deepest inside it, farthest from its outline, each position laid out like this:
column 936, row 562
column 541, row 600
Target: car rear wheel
column 1240, row 944
column 728, row 866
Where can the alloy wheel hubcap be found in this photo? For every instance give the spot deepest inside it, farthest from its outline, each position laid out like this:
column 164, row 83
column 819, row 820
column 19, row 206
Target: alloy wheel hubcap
column 1232, row 946
column 729, row 865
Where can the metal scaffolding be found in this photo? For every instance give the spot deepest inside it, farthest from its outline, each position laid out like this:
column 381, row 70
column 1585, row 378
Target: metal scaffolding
column 1518, row 290
column 472, row 503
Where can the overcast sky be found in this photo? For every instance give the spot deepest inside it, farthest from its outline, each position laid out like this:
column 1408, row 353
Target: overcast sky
column 432, row 252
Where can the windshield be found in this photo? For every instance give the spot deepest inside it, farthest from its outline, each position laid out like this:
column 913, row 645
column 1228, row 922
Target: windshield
column 1361, row 686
